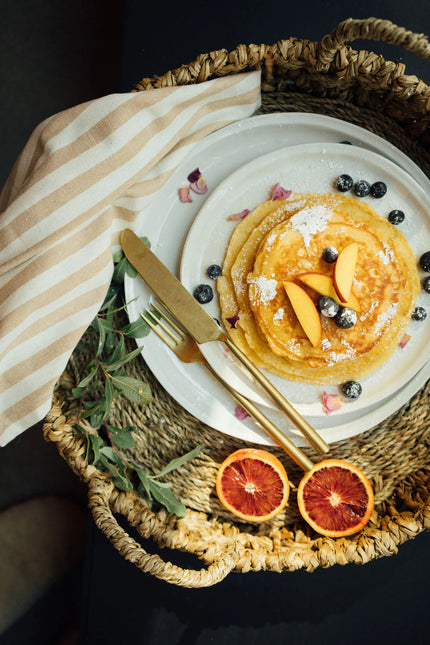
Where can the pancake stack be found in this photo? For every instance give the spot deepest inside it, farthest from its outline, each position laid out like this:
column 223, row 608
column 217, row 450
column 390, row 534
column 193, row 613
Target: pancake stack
column 282, row 240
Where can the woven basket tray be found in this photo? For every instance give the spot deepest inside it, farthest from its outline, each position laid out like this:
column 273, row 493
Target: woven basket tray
column 362, row 88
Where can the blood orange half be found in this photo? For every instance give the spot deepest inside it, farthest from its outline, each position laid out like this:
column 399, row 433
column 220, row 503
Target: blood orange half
column 253, row 484
column 335, row 498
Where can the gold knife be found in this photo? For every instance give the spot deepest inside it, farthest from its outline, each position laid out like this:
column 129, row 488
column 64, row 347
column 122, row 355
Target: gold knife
column 201, row 326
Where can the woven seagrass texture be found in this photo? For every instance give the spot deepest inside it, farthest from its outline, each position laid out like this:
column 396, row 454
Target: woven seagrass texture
column 359, row 87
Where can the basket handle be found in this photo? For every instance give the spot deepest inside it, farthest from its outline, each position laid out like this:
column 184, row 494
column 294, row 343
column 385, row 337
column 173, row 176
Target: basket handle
column 372, row 29
column 104, row 500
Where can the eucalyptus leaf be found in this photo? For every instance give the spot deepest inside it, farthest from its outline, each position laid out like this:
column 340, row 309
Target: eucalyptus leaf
column 96, row 419
column 143, row 491
column 120, row 270
column 108, row 398
column 110, row 298
column 117, row 257
column 109, row 452
column 120, row 474
column 122, row 482
column 112, row 367
column 96, row 443
column 90, row 405
column 88, row 378
column 133, row 389
column 118, row 352
column 146, row 241
column 106, row 324
column 162, row 484
column 101, row 333
column 166, row 497
column 122, row 438
column 142, row 474
column 143, row 486
column 110, row 343
column 104, row 462
column 179, row 461
column 93, row 407
column 130, row 270
column 137, row 329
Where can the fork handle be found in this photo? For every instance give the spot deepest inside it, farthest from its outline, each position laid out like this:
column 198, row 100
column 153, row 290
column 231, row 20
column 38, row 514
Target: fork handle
column 273, row 431
column 305, row 428
column 290, row 448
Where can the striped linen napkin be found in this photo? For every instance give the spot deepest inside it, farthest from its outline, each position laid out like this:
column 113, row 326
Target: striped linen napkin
column 84, row 175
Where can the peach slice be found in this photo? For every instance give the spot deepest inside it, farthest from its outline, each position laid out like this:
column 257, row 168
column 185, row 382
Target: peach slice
column 323, row 284
column 305, row 310
column 344, row 270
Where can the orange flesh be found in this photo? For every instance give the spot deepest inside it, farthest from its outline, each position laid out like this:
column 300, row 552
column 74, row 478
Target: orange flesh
column 252, row 487
column 335, row 498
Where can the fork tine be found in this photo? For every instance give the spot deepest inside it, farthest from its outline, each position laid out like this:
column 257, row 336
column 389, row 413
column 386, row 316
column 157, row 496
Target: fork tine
column 177, row 329
column 162, row 325
column 159, row 333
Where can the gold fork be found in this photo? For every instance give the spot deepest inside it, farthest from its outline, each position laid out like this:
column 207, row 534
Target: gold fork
column 187, row 350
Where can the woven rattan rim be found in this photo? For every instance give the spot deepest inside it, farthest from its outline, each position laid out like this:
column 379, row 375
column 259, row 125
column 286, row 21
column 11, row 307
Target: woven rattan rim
column 362, row 88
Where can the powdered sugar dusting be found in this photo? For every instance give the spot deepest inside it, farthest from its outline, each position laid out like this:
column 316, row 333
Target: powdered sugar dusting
column 311, row 220
column 385, row 318
column 271, row 238
column 279, row 315
column 369, row 311
column 348, row 354
column 266, row 288
column 339, row 357
column 387, row 254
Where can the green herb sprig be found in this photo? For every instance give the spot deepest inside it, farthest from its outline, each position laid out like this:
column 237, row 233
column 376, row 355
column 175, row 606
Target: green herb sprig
column 105, row 380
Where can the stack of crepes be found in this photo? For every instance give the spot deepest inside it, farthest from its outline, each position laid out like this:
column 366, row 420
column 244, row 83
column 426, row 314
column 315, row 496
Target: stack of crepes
column 282, row 239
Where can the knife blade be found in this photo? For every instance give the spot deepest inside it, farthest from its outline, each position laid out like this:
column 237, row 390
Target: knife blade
column 184, row 307
column 200, row 325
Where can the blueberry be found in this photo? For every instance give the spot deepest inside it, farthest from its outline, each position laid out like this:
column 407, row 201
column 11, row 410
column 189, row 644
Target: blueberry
column 396, row 217
column 378, row 189
column 352, row 389
column 214, row 271
column 330, row 254
column 419, row 313
column 328, row 307
column 343, row 183
column 203, row 293
column 362, row 188
column 425, row 261
column 345, row 318
column 426, row 284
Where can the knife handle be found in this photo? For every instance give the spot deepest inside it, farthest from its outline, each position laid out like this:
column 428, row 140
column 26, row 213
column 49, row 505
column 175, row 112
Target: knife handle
column 305, row 428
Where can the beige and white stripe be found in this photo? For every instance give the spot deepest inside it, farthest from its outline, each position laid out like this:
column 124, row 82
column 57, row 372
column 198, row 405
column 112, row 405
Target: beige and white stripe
column 83, row 176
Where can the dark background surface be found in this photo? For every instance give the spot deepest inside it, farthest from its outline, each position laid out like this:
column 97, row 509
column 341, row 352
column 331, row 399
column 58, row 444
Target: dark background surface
column 55, row 54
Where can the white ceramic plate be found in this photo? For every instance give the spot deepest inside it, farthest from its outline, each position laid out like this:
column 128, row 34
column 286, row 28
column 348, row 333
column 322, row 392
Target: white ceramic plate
column 166, row 223
column 305, row 168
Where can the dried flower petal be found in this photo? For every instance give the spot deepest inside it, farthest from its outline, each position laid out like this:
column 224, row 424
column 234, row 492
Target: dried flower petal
column 404, row 340
column 331, row 402
column 233, row 320
column 184, row 194
column 194, row 175
column 240, row 413
column 279, row 193
column 199, row 186
column 241, row 215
